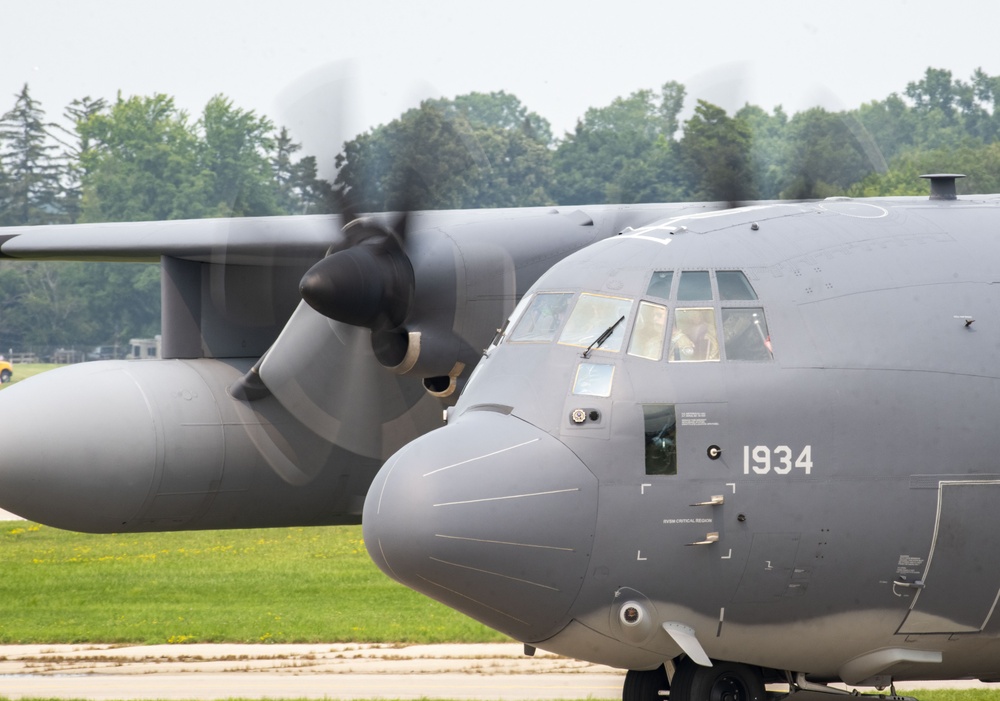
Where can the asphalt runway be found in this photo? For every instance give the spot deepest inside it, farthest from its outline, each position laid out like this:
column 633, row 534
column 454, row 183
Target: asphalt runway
column 209, row 672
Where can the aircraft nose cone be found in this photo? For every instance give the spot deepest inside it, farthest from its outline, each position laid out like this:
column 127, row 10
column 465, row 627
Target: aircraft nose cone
column 490, row 516
column 79, row 447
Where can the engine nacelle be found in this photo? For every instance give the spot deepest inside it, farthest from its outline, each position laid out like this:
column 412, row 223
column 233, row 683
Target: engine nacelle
column 462, row 292
column 159, row 445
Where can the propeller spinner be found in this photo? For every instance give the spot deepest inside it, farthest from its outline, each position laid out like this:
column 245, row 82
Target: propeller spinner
column 370, row 283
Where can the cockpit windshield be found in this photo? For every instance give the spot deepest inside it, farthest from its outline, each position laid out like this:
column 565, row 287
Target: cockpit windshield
column 650, row 327
column 705, row 316
column 592, row 316
column 542, row 318
column 593, row 322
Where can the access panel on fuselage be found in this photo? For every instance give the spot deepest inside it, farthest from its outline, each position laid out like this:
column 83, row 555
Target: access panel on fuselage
column 961, row 582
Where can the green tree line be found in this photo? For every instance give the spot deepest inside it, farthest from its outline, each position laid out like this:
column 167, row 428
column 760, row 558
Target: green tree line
column 489, row 150
column 137, row 159
column 142, row 158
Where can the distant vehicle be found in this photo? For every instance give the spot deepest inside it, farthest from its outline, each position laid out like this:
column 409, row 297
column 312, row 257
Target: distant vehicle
column 6, row 371
column 104, row 353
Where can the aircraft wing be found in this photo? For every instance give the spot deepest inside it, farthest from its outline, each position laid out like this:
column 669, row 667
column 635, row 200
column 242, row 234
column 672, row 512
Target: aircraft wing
column 259, row 241
column 250, row 241
column 265, row 411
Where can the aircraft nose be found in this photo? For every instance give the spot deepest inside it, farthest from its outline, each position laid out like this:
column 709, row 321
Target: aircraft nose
column 490, row 516
column 79, row 447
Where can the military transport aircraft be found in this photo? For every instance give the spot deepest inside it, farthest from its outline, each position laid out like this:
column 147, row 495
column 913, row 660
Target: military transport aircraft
column 719, row 448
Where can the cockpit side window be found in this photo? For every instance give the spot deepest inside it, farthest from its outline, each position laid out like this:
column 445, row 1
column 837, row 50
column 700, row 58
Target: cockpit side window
column 511, row 322
column 694, row 286
column 694, row 336
column 650, row 329
column 745, row 334
column 542, row 319
column 592, row 316
column 660, row 434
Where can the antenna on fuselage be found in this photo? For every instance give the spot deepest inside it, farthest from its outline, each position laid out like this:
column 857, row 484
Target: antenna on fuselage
column 943, row 185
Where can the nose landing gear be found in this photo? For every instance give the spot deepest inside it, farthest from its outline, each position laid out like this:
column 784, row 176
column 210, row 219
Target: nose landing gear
column 723, row 681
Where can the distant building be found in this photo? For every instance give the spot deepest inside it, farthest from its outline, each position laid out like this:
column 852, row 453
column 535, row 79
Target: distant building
column 144, row 348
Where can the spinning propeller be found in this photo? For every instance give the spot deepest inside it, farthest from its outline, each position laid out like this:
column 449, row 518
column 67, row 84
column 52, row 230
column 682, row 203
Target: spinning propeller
column 364, row 359
column 369, row 282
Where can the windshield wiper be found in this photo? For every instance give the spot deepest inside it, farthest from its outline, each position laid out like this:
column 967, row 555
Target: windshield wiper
column 604, row 336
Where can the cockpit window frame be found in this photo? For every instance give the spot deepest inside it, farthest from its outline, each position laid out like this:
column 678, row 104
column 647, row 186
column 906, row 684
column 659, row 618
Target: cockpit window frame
column 659, row 281
column 740, row 277
column 684, row 288
column 731, row 294
column 753, row 352
column 511, row 322
column 648, row 333
column 555, row 329
column 585, row 337
column 695, row 340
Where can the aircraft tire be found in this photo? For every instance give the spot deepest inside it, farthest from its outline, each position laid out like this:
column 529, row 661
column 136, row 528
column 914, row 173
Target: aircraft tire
column 645, row 685
column 723, row 681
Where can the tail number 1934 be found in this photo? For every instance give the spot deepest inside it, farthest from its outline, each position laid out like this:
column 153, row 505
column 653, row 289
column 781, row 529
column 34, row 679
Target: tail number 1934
column 762, row 459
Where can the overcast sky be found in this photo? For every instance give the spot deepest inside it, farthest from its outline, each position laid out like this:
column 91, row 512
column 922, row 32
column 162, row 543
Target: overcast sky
column 285, row 59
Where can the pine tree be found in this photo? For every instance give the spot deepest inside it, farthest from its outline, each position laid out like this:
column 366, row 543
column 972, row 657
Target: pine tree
column 283, row 171
column 77, row 145
column 32, row 171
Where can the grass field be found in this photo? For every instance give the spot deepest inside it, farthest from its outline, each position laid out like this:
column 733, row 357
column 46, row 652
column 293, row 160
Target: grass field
column 23, row 371
column 252, row 586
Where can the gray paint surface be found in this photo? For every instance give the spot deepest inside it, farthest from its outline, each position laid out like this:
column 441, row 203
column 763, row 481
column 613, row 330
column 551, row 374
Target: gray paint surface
column 832, row 512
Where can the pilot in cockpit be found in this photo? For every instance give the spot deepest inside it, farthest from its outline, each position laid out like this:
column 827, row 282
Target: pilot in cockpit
column 694, row 336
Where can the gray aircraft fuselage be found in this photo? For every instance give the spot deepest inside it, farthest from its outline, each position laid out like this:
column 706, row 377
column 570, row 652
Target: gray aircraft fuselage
column 834, row 506
column 759, row 441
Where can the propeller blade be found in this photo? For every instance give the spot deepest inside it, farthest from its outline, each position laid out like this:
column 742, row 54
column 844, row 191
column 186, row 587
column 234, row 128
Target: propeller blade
column 325, row 374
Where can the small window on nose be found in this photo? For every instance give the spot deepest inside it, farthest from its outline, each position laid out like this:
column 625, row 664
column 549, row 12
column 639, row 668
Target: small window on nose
column 660, row 434
column 594, row 380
